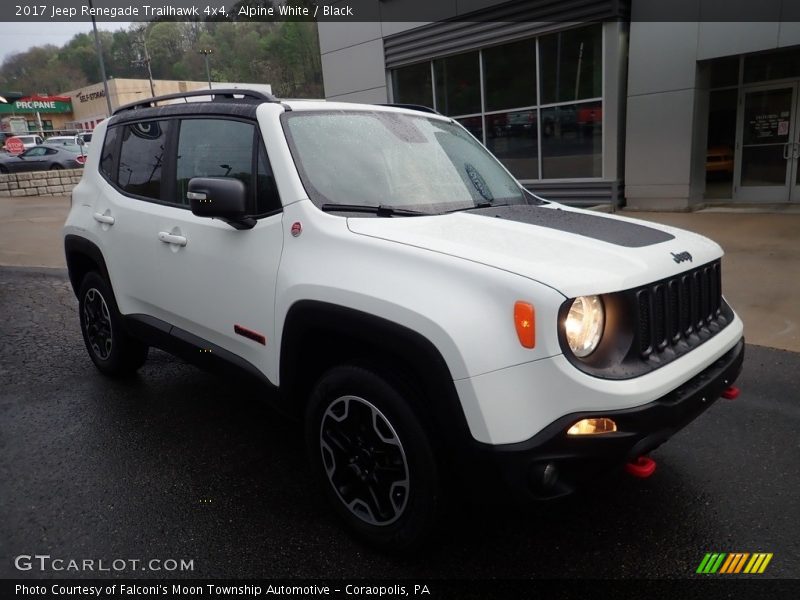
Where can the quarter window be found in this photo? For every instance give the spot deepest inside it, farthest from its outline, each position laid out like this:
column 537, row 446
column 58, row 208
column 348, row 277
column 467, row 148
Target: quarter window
column 141, row 160
column 107, row 156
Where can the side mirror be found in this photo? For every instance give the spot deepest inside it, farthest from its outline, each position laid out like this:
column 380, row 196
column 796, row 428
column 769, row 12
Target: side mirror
column 222, row 198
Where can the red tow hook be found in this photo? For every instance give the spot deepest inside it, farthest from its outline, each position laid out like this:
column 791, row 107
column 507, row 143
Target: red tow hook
column 731, row 393
column 642, row 467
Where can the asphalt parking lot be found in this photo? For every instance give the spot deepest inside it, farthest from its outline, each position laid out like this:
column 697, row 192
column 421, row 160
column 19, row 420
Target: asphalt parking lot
column 177, row 463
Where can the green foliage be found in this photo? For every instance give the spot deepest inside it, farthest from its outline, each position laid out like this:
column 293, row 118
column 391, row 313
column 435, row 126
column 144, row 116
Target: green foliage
column 284, row 54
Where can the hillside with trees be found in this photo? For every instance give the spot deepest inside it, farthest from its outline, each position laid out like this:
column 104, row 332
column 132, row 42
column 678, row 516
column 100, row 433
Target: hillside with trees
column 282, row 53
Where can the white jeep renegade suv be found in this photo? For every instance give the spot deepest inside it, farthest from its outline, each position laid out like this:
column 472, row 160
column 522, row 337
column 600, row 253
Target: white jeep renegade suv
column 432, row 322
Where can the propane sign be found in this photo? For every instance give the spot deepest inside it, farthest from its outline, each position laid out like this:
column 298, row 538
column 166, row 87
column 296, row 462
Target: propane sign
column 40, row 104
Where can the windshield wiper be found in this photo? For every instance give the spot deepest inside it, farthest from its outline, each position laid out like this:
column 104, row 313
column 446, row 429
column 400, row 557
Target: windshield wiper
column 381, row 210
column 475, row 206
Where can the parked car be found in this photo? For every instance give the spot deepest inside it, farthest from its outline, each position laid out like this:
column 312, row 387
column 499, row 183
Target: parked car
column 434, row 325
column 719, row 160
column 63, row 140
column 28, row 141
column 43, row 157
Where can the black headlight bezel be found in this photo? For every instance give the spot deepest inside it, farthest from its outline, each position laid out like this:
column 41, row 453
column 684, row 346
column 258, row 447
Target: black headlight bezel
column 622, row 352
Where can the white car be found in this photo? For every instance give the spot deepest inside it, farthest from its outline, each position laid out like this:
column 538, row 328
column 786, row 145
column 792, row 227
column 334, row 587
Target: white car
column 63, row 140
column 28, row 141
column 435, row 325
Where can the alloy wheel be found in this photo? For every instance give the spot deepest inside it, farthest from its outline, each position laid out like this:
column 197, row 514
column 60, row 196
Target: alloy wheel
column 97, row 322
column 364, row 460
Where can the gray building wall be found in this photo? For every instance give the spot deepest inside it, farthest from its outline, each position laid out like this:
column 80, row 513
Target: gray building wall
column 667, row 104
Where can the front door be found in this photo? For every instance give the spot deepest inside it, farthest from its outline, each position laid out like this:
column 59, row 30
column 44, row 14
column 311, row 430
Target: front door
column 767, row 144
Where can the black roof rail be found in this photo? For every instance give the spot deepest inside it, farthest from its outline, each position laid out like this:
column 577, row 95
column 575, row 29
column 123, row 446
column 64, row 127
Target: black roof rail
column 217, row 95
column 419, row 107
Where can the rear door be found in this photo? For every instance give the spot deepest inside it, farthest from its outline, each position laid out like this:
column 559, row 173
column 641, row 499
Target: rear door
column 132, row 187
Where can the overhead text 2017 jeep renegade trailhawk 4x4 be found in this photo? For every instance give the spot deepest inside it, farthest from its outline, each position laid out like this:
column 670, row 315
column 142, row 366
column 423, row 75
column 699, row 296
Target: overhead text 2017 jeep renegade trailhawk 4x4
column 430, row 320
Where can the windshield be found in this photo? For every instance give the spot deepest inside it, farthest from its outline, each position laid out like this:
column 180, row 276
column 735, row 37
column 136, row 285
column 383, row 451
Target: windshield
column 395, row 160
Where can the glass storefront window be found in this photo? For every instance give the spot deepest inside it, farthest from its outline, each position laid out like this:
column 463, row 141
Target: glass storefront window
column 474, row 125
column 572, row 141
column 721, row 145
column 724, row 72
column 772, row 65
column 412, row 85
column 511, row 115
column 513, row 138
column 458, row 84
column 570, row 63
column 509, row 75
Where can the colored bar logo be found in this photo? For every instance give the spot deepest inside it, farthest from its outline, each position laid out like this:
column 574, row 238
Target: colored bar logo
column 734, row 562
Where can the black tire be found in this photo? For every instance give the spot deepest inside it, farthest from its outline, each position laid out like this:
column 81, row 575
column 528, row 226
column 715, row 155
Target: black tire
column 3, row 170
column 56, row 167
column 112, row 350
column 388, row 491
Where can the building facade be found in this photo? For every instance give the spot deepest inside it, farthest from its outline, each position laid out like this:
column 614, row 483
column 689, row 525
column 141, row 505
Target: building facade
column 90, row 106
column 596, row 101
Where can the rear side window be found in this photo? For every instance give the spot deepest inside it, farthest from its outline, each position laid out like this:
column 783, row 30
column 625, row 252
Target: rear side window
column 141, row 158
column 214, row 148
column 107, row 155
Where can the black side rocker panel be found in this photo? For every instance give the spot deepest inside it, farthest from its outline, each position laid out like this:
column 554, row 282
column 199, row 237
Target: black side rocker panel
column 193, row 349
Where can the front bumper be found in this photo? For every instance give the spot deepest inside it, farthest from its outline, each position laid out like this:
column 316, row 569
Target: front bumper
column 527, row 467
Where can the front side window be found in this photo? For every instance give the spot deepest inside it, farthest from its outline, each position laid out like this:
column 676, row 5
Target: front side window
column 214, row 148
column 142, row 155
column 395, row 160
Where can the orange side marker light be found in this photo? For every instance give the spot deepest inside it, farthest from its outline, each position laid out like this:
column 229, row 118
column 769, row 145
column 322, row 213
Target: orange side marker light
column 525, row 323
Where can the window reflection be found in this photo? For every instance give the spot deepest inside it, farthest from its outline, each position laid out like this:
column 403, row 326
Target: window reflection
column 572, row 141
column 474, row 125
column 458, row 84
column 509, row 75
column 571, row 65
column 412, row 85
column 513, row 138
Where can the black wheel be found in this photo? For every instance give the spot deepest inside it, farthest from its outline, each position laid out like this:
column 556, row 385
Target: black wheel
column 373, row 458
column 3, row 170
column 56, row 167
column 111, row 349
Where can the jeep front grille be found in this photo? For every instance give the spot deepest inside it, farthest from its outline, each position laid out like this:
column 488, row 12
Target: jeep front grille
column 684, row 308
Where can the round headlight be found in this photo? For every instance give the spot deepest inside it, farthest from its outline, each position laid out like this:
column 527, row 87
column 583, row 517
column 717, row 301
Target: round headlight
column 584, row 325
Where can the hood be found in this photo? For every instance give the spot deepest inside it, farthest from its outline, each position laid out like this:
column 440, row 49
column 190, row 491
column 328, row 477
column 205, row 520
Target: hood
column 577, row 252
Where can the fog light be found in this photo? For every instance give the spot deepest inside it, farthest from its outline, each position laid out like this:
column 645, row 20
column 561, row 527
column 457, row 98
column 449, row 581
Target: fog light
column 592, row 427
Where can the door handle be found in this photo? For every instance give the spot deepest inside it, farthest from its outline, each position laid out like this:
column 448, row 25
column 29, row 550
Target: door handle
column 171, row 238
column 101, row 218
column 786, row 150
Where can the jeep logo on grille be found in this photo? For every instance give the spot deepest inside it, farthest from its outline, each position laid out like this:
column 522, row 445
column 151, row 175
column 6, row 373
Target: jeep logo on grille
column 680, row 257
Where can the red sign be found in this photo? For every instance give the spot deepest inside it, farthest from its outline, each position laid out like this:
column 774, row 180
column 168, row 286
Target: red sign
column 14, row 145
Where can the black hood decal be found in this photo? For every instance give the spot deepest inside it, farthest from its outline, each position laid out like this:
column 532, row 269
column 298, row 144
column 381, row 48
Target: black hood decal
column 600, row 228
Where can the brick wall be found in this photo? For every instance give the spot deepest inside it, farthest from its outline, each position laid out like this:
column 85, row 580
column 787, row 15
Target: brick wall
column 39, row 183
